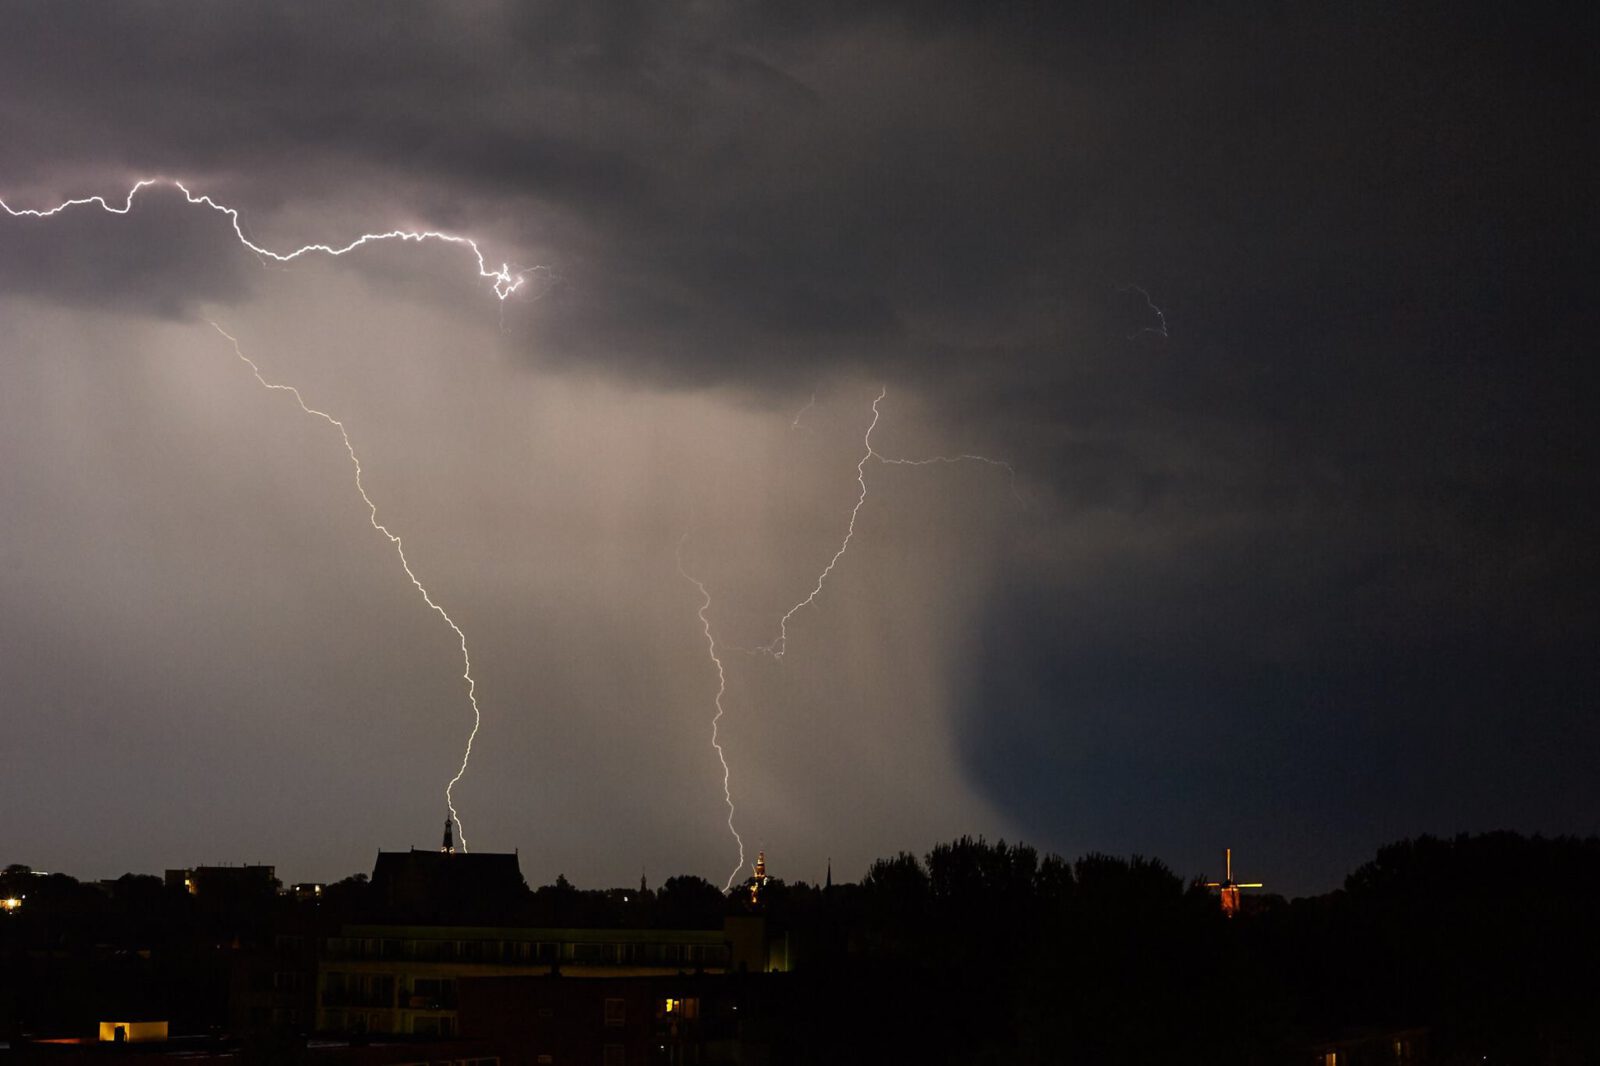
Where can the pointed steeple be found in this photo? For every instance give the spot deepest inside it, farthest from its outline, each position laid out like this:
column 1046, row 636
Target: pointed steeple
column 828, row 884
column 449, row 846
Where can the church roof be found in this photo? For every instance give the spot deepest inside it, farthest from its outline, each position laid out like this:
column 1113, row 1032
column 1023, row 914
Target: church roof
column 434, row 887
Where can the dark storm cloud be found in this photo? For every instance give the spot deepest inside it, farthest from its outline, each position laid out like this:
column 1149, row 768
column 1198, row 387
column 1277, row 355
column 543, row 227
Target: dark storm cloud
column 1357, row 474
column 1287, row 688
column 720, row 200
column 727, row 192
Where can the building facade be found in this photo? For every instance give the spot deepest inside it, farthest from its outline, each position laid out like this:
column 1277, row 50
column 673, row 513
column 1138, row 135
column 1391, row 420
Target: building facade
column 406, row 979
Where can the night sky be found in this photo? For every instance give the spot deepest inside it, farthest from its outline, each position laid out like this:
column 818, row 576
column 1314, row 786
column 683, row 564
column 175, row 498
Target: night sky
column 1283, row 318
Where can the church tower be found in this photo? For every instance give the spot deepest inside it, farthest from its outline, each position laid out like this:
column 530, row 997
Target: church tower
column 759, row 880
column 449, row 846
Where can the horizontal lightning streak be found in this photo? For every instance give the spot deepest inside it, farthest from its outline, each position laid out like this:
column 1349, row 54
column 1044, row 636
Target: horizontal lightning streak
column 965, row 458
column 505, row 280
column 372, row 509
column 722, row 687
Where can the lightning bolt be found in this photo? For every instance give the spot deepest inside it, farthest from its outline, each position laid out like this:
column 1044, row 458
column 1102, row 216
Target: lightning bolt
column 777, row 648
column 506, row 281
column 1161, row 316
column 798, row 415
column 964, row 458
column 780, row 645
column 722, row 687
column 399, row 548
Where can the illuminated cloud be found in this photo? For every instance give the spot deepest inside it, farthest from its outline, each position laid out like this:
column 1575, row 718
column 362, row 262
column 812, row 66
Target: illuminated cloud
column 1277, row 321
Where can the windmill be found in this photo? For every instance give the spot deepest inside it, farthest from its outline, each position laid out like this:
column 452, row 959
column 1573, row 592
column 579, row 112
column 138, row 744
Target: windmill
column 1228, row 888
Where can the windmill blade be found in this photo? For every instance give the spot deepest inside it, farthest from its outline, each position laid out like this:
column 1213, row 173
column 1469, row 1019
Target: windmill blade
column 1251, row 884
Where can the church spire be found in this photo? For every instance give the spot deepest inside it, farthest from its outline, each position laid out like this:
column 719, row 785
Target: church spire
column 449, row 846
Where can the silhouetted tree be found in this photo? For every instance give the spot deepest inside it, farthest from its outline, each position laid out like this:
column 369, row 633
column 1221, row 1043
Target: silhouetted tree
column 969, row 875
column 689, row 902
column 900, row 881
column 1053, row 882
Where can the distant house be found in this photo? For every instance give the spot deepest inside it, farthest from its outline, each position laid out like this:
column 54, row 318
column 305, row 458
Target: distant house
column 441, row 917
column 406, row 979
column 1377, row 1047
column 230, row 882
column 532, row 1021
column 133, row 1032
